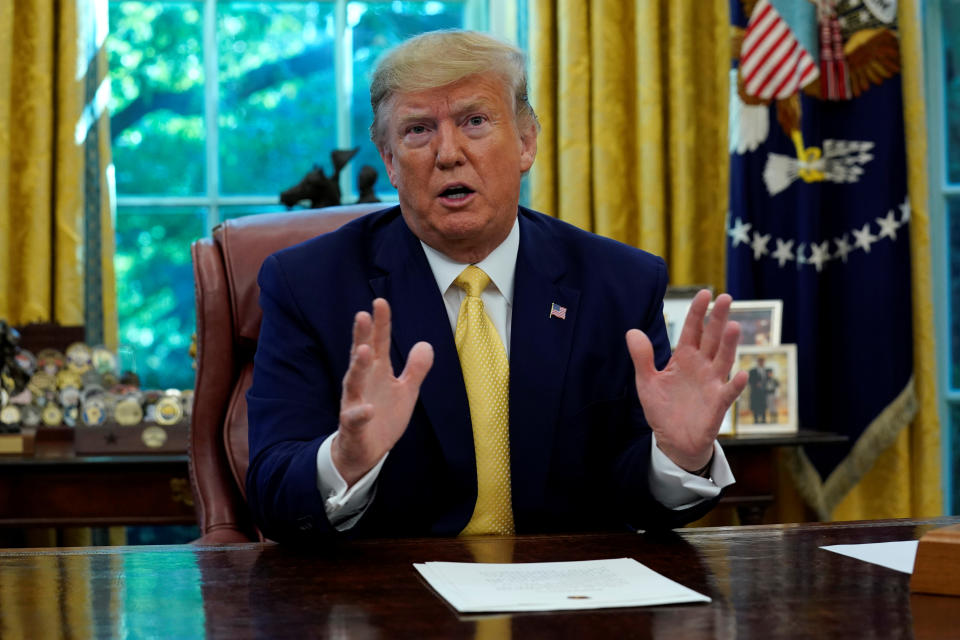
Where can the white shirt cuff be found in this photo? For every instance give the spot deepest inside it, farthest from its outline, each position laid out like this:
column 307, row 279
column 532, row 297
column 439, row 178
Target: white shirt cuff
column 343, row 505
column 677, row 489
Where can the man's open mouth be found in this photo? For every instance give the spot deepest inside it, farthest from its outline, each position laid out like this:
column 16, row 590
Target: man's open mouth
column 456, row 192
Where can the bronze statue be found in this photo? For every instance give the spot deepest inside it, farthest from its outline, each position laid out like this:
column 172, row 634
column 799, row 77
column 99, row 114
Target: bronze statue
column 320, row 190
column 13, row 377
column 365, row 180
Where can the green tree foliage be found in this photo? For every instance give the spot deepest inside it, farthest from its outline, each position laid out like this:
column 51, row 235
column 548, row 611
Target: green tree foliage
column 155, row 291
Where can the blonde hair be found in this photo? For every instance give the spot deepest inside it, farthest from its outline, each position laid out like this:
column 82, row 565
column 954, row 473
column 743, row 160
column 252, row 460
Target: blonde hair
column 439, row 58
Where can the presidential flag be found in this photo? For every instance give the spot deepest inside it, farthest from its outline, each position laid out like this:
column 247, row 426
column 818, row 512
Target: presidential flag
column 819, row 217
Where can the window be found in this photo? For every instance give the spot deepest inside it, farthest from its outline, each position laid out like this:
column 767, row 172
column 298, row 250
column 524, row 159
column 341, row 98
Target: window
column 942, row 41
column 219, row 106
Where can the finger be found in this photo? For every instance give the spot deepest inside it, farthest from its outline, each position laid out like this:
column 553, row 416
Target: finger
column 356, row 416
column 355, row 379
column 381, row 328
column 418, row 364
column 641, row 352
column 728, row 349
column 730, row 391
column 713, row 330
column 693, row 324
column 362, row 330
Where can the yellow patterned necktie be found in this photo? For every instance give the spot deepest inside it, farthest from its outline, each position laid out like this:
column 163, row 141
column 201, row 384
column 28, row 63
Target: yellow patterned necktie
column 486, row 373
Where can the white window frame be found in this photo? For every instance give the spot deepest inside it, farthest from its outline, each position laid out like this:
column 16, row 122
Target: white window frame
column 940, row 192
column 498, row 17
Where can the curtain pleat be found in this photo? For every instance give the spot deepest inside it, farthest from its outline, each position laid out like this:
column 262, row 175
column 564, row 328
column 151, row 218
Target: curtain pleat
column 54, row 136
column 632, row 101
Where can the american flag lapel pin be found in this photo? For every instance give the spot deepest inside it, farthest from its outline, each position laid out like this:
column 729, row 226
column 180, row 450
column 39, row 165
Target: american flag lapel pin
column 556, row 311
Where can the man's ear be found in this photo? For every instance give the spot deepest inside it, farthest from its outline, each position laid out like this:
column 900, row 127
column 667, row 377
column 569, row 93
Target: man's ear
column 387, row 156
column 528, row 144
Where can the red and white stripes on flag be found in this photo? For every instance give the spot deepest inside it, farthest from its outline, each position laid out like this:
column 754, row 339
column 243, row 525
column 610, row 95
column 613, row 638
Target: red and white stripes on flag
column 773, row 63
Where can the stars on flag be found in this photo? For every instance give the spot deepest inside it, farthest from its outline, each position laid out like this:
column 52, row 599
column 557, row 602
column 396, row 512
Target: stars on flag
column 787, row 250
column 843, row 247
column 740, row 232
column 863, row 237
column 801, row 258
column 905, row 211
column 820, row 254
column 888, row 226
column 784, row 252
column 759, row 245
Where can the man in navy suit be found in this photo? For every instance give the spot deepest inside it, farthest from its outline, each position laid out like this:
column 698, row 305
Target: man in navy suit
column 607, row 429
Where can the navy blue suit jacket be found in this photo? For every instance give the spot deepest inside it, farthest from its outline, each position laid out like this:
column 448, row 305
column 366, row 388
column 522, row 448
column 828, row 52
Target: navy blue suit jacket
column 579, row 445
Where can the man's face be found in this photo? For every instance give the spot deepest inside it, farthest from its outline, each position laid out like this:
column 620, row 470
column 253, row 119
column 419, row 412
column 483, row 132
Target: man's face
column 456, row 156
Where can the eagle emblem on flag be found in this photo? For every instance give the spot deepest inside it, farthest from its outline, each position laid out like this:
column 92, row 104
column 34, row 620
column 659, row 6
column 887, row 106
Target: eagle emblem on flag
column 826, row 49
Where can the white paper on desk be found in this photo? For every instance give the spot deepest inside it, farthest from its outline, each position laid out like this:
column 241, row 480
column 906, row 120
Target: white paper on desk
column 552, row 586
column 893, row 555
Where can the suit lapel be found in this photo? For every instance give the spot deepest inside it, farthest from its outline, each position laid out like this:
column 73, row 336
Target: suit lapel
column 418, row 313
column 539, row 354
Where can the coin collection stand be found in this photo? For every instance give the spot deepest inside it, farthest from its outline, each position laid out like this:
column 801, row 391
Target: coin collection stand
column 81, row 391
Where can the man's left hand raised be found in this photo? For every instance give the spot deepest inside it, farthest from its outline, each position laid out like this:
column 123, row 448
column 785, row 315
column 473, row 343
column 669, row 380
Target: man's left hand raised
column 685, row 402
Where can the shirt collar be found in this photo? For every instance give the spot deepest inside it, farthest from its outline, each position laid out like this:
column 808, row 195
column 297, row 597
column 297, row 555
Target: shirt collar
column 500, row 265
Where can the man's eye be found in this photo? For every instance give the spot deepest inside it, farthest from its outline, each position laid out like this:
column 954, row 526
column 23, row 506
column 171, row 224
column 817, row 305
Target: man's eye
column 417, row 129
column 476, row 121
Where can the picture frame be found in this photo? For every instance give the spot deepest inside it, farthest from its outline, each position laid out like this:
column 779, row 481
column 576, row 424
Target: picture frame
column 676, row 304
column 760, row 321
column 726, row 427
column 775, row 412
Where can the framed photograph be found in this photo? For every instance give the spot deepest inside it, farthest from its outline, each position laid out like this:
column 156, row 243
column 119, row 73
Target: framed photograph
column 769, row 403
column 676, row 303
column 759, row 320
column 726, row 427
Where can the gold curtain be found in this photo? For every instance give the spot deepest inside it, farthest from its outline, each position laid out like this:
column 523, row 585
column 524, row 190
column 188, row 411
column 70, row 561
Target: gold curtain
column 56, row 232
column 905, row 479
column 632, row 102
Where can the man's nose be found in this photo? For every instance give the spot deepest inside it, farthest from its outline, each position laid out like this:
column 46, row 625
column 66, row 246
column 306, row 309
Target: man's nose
column 449, row 147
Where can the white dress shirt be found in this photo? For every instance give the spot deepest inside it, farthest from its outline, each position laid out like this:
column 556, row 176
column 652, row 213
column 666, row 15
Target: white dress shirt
column 670, row 485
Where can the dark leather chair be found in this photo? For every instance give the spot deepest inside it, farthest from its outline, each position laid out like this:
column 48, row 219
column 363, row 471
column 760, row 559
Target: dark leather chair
column 225, row 271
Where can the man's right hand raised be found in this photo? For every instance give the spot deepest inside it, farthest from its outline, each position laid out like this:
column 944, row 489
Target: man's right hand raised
column 376, row 406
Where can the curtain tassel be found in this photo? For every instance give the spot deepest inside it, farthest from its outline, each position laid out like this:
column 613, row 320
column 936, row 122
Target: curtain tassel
column 834, row 76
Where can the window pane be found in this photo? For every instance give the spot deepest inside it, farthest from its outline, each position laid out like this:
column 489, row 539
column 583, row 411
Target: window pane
column 156, row 108
column 953, row 275
column 954, row 464
column 373, row 28
column 277, row 98
column 155, row 301
column 951, row 66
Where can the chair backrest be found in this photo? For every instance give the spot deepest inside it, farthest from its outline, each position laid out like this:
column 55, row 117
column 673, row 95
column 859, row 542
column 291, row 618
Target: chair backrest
column 225, row 269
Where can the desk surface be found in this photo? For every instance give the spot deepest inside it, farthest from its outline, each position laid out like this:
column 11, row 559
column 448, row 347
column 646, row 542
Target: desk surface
column 766, row 582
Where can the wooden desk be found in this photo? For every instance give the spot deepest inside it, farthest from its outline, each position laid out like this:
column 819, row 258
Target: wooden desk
column 765, row 582
column 64, row 490
column 753, row 460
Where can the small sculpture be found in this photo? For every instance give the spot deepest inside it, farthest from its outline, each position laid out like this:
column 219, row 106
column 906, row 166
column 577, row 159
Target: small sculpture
column 365, row 180
column 320, row 190
column 13, row 377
